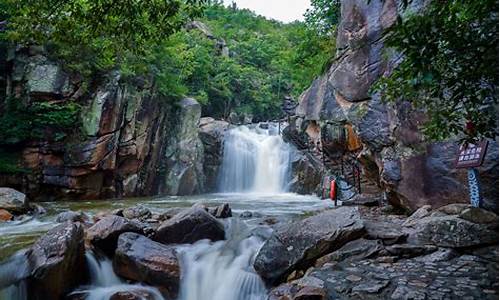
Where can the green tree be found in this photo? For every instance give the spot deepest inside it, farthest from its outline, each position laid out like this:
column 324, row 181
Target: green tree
column 323, row 15
column 449, row 67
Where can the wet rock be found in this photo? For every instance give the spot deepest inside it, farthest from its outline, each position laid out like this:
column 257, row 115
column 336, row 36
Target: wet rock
column 409, row 251
column 57, row 261
column 246, row 215
column 354, row 250
column 420, row 213
column 104, row 234
column 478, row 215
column 170, row 213
column 442, row 254
column 306, row 288
column 211, row 133
column 136, row 212
column 184, row 155
column 141, row 259
column 389, row 233
column 364, row 200
column 133, row 295
column 190, row 226
column 72, row 216
column 5, row 215
column 298, row 245
column 454, row 208
column 370, row 287
column 222, row 211
column 13, row 201
column 452, row 232
column 307, row 173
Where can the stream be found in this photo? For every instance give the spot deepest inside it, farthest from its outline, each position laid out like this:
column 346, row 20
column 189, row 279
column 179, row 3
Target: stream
column 253, row 180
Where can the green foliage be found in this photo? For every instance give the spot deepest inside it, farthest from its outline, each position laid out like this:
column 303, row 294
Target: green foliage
column 96, row 35
column 9, row 162
column 323, row 15
column 267, row 61
column 449, row 67
column 50, row 121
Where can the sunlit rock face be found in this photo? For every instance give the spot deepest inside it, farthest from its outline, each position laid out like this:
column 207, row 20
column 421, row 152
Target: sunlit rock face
column 123, row 146
column 395, row 155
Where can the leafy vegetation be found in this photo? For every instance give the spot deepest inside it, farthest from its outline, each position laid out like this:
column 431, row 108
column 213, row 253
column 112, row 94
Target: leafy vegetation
column 449, row 67
column 323, row 15
column 50, row 121
column 267, row 60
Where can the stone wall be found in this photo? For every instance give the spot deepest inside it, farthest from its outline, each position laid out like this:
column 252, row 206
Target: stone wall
column 395, row 155
column 129, row 143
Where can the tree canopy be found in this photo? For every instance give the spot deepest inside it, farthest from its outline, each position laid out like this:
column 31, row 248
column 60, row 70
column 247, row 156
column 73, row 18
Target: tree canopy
column 449, row 67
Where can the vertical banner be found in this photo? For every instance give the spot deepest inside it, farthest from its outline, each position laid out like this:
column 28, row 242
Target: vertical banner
column 474, row 190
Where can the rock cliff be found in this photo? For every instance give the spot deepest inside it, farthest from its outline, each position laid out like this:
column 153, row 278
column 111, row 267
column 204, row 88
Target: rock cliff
column 131, row 141
column 394, row 155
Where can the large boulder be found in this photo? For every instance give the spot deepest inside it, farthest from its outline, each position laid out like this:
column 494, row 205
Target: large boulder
column 190, row 226
column 185, row 153
column 104, row 234
column 450, row 231
column 57, row 261
column 211, row 133
column 298, row 245
column 307, row 172
column 140, row 259
column 13, row 201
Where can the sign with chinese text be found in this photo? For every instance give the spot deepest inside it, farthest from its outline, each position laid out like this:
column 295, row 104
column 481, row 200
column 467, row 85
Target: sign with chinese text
column 471, row 155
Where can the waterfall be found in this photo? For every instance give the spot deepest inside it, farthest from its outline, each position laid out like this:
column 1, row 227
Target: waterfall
column 255, row 160
column 104, row 282
column 222, row 270
column 13, row 273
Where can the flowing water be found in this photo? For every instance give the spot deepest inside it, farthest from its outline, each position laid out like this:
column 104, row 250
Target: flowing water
column 253, row 179
column 255, row 160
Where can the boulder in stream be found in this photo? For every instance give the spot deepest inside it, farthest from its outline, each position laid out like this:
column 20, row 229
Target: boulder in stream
column 190, row 226
column 13, row 201
column 141, row 259
column 104, row 234
column 72, row 216
column 57, row 261
column 298, row 245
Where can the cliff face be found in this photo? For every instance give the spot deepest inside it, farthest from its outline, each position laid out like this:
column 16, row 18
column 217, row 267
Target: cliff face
column 128, row 143
column 395, row 155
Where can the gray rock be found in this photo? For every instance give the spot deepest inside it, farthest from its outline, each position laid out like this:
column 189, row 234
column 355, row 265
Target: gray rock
column 371, row 287
column 211, row 134
column 454, row 208
column 185, row 152
column 57, row 261
column 363, row 199
column 140, row 259
column 104, row 234
column 442, row 254
column 389, row 233
column 136, row 212
column 299, row 244
column 72, row 216
column 479, row 215
column 452, row 232
column 420, row 213
column 354, row 250
column 409, row 251
column 13, row 201
column 222, row 211
column 190, row 226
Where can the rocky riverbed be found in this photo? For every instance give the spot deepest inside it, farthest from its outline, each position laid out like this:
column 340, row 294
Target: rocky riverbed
column 302, row 248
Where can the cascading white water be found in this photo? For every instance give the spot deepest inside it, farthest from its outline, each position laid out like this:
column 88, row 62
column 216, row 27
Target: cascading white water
column 222, row 270
column 13, row 273
column 104, row 282
column 255, row 160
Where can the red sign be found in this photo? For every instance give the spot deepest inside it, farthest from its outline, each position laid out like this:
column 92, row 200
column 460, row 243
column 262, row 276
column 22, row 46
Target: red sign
column 471, row 155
